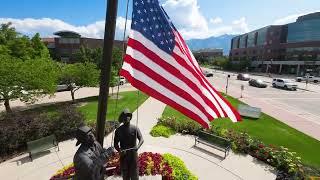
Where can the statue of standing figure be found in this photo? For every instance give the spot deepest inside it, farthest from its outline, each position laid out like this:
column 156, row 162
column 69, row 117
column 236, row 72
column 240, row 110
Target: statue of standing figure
column 90, row 158
column 126, row 135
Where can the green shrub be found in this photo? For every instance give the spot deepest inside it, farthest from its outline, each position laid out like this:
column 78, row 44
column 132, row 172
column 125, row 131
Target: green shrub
column 161, row 130
column 18, row 128
column 184, row 126
column 180, row 171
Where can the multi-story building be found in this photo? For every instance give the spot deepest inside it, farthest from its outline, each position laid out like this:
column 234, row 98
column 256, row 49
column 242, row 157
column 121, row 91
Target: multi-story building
column 66, row 44
column 207, row 54
column 291, row 48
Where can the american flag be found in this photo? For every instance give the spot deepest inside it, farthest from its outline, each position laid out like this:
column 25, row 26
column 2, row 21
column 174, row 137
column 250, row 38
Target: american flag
column 159, row 63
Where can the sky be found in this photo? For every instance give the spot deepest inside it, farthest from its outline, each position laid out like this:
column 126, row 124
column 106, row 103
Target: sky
column 195, row 19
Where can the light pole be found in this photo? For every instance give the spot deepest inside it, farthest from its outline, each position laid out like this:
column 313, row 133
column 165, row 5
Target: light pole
column 109, row 33
column 227, row 83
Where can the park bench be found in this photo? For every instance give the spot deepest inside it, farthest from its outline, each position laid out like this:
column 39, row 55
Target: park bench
column 42, row 144
column 214, row 141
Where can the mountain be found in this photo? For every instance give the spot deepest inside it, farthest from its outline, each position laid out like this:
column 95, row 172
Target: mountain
column 223, row 42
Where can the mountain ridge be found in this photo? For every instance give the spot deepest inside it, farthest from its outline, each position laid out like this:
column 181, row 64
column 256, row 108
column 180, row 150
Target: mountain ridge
column 222, row 42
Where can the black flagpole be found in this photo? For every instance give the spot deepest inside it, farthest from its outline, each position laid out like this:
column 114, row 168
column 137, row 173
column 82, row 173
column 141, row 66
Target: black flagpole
column 109, row 32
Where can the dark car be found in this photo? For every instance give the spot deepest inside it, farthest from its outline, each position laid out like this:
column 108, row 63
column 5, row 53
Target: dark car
column 207, row 74
column 243, row 77
column 257, row 83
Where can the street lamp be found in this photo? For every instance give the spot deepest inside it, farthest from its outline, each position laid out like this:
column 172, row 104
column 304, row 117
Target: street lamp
column 227, row 83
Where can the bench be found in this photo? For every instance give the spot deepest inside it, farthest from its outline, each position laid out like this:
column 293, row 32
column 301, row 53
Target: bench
column 42, row 144
column 214, row 141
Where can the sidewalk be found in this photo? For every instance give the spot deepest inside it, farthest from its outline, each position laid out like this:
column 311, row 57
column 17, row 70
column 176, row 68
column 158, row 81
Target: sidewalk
column 63, row 97
column 204, row 162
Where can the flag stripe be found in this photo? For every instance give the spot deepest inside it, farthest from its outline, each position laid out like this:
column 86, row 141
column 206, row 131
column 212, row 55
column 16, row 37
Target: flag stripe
column 159, row 62
column 163, row 90
column 136, row 82
column 136, row 64
column 180, row 64
column 203, row 84
column 227, row 107
column 171, row 71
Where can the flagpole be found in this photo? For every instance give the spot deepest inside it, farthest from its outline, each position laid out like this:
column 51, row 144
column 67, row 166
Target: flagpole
column 109, row 32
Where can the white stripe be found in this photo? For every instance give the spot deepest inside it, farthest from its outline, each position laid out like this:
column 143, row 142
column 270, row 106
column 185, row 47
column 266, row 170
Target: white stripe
column 163, row 90
column 169, row 59
column 225, row 107
column 170, row 77
column 205, row 90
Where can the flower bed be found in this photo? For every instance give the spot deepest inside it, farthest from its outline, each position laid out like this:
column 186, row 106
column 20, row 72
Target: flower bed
column 150, row 164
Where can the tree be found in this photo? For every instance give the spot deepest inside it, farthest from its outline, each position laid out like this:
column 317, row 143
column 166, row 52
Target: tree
column 26, row 69
column 26, row 80
column 95, row 56
column 79, row 75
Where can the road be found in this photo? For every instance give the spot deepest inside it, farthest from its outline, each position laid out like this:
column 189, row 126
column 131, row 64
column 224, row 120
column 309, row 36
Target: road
column 299, row 109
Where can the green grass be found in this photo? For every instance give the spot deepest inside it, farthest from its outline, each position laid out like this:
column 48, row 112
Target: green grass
column 270, row 131
column 128, row 100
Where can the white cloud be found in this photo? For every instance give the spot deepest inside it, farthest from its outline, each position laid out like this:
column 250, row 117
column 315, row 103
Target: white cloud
column 187, row 17
column 287, row 19
column 185, row 14
column 291, row 18
column 47, row 26
column 216, row 20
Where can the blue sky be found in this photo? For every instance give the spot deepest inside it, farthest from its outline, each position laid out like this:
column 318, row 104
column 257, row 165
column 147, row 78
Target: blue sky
column 194, row 18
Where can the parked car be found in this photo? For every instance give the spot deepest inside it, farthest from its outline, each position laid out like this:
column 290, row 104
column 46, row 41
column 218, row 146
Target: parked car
column 65, row 87
column 284, row 83
column 309, row 78
column 207, row 74
column 257, row 83
column 243, row 77
column 122, row 80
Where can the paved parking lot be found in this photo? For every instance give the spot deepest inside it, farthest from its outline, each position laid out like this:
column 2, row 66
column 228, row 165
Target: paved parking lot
column 304, row 104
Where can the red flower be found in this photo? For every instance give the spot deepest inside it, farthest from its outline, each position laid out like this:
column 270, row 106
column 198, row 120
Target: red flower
column 261, row 146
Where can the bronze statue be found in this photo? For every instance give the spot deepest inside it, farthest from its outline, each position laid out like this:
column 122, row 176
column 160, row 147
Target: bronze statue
column 90, row 158
column 127, row 136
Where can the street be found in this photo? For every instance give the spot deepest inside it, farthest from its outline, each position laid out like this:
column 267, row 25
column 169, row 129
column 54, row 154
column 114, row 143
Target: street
column 299, row 109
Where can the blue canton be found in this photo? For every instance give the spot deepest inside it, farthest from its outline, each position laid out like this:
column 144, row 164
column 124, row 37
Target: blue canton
column 150, row 19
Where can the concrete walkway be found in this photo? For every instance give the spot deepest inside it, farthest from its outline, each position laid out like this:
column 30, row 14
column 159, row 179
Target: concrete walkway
column 204, row 162
column 63, row 97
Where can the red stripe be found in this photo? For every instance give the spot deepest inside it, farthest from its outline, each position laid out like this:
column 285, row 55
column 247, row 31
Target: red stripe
column 153, row 93
column 164, row 82
column 173, row 70
column 235, row 112
column 183, row 63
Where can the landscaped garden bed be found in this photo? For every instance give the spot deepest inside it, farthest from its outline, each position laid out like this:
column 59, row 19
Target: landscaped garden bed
column 61, row 119
column 290, row 151
column 150, row 164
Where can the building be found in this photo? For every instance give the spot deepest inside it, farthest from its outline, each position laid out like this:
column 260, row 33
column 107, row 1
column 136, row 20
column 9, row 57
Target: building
column 66, row 44
column 291, row 48
column 207, row 54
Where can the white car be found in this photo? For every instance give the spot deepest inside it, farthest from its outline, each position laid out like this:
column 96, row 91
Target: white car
column 284, row 83
column 309, row 78
column 122, row 80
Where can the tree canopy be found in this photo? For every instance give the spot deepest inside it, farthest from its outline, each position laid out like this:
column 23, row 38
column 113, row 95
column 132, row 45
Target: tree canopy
column 79, row 75
column 26, row 69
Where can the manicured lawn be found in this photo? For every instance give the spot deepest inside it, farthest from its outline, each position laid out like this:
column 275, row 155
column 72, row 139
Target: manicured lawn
column 128, row 100
column 270, row 131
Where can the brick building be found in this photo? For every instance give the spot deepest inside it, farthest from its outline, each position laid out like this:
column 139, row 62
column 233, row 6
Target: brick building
column 207, row 54
column 66, row 44
column 291, row 48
